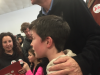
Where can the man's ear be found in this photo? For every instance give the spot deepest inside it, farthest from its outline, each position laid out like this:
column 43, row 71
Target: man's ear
column 49, row 41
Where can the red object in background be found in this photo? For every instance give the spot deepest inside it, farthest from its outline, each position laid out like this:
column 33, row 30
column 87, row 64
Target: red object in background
column 94, row 7
column 11, row 69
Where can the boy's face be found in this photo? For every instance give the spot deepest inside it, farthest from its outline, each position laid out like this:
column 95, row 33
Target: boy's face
column 39, row 46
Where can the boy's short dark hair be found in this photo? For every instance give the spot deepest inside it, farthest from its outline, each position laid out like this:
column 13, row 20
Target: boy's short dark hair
column 52, row 26
column 24, row 26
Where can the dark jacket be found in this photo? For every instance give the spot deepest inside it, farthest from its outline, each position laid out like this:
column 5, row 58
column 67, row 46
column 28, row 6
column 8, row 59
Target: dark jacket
column 84, row 39
column 26, row 46
column 6, row 59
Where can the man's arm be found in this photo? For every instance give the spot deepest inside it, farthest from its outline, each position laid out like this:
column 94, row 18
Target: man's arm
column 79, row 15
column 80, row 18
column 89, row 58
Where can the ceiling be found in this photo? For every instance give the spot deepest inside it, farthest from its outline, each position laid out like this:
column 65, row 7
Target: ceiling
column 13, row 5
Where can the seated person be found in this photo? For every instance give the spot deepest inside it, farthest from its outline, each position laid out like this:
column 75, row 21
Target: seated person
column 10, row 51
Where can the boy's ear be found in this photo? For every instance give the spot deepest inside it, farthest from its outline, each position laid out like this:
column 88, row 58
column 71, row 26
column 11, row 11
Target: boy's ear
column 49, row 41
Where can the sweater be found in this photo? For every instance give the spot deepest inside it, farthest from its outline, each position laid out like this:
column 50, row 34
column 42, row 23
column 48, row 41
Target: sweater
column 67, row 52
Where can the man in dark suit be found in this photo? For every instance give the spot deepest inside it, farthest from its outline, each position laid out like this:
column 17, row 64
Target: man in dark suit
column 84, row 38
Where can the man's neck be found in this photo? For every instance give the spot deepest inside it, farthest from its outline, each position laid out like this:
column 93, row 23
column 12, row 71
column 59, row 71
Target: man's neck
column 54, row 54
column 45, row 4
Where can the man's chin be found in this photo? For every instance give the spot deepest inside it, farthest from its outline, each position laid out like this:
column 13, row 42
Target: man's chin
column 32, row 3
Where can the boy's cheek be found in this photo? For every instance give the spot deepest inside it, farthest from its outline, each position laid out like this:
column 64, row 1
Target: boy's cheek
column 35, row 54
column 38, row 55
column 33, row 48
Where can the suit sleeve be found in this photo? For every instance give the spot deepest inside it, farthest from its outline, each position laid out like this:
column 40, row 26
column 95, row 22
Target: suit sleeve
column 89, row 58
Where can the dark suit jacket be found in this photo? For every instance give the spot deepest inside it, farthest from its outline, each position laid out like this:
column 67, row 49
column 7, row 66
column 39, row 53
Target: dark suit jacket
column 84, row 39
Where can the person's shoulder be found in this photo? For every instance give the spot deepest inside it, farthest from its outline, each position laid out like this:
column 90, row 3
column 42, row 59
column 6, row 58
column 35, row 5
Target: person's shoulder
column 40, row 64
column 3, row 56
column 40, row 67
column 40, row 14
column 69, row 1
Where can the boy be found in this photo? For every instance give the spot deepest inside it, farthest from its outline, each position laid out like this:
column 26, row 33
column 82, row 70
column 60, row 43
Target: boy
column 49, row 35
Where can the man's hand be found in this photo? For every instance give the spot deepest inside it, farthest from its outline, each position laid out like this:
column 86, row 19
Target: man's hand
column 66, row 66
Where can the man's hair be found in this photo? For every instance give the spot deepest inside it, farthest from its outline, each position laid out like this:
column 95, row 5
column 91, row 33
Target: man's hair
column 24, row 26
column 52, row 26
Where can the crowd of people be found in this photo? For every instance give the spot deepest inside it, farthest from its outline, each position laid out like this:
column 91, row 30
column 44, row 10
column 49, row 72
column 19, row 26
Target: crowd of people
column 63, row 40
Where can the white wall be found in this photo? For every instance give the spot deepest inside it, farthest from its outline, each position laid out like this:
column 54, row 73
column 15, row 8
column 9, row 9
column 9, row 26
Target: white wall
column 12, row 21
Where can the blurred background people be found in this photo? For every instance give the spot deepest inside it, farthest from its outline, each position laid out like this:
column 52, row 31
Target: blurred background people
column 20, row 40
column 28, row 38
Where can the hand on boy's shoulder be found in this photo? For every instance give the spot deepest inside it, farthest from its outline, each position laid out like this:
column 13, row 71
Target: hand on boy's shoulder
column 66, row 66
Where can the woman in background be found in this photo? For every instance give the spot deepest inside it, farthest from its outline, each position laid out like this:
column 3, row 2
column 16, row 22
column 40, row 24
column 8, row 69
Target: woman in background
column 20, row 40
column 10, row 50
